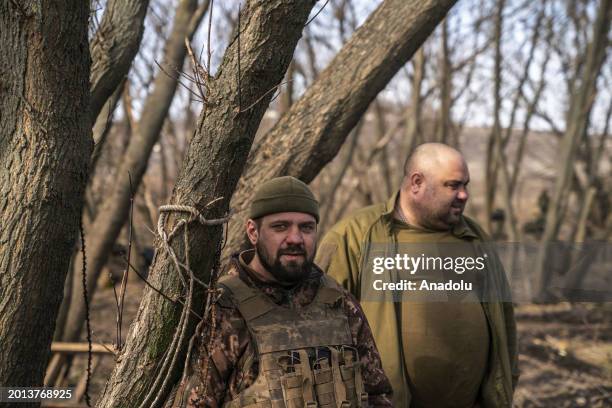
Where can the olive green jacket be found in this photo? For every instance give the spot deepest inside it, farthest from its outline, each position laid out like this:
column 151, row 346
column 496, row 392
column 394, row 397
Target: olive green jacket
column 343, row 251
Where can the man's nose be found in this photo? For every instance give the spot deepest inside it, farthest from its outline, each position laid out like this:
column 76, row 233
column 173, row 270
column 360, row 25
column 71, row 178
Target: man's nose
column 462, row 194
column 294, row 235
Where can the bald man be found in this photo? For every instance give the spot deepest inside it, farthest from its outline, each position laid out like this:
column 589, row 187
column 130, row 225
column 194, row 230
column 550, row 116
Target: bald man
column 442, row 348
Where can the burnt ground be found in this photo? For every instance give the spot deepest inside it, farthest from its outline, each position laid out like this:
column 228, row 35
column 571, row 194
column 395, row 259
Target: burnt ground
column 565, row 350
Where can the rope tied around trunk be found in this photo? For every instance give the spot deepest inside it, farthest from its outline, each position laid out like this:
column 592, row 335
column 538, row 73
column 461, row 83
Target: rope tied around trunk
column 164, row 373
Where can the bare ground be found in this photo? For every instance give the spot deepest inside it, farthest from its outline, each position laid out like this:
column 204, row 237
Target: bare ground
column 565, row 350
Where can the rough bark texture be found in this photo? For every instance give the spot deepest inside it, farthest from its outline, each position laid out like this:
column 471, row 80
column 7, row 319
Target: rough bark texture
column 581, row 104
column 113, row 48
column 310, row 134
column 269, row 31
column 111, row 216
column 45, row 143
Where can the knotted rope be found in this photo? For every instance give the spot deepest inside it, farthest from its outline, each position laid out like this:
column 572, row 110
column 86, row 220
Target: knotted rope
column 164, row 373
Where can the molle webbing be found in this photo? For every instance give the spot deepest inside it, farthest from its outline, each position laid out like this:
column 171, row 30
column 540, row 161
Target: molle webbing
column 277, row 328
column 288, row 341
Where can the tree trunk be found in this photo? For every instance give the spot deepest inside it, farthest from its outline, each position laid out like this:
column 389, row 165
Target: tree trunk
column 414, row 125
column 114, row 210
column 211, row 169
column 381, row 127
column 45, row 143
column 446, row 88
column 113, row 48
column 308, row 136
column 495, row 136
column 581, row 104
column 327, row 200
column 286, row 98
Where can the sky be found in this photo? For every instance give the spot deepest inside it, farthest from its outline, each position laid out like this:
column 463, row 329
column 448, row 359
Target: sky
column 475, row 106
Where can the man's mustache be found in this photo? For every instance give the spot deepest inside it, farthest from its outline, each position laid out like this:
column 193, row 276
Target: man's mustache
column 292, row 251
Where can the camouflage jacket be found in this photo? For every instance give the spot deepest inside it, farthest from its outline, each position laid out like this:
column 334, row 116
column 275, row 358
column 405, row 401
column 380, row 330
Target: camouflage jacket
column 230, row 343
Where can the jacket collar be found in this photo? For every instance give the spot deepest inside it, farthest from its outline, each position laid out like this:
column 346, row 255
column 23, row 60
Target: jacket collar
column 461, row 230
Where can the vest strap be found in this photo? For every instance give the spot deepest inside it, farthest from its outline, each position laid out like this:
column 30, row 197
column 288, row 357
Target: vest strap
column 251, row 302
column 329, row 292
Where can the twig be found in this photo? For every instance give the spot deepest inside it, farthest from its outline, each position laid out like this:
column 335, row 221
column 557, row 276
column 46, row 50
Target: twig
column 273, row 89
column 179, row 82
column 316, row 14
column 197, row 69
column 124, row 279
column 162, row 294
column 212, row 6
column 87, row 321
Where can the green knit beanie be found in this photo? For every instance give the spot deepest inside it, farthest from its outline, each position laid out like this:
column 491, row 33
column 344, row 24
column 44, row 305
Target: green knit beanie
column 284, row 194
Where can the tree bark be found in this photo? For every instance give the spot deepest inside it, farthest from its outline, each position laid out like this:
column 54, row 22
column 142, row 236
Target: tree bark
column 446, row 88
column 111, row 216
column 211, row 169
column 45, row 143
column 414, row 125
column 381, row 127
column 581, row 104
column 495, row 136
column 113, row 48
column 308, row 136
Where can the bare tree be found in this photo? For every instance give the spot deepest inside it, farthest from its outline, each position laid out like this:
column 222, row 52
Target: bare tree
column 446, row 87
column 495, row 136
column 113, row 211
column 45, row 143
column 310, row 134
column 581, row 103
column 113, row 48
column 237, row 100
column 414, row 125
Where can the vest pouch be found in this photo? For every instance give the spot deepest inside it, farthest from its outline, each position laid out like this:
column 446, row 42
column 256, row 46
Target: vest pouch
column 352, row 379
column 249, row 402
column 324, row 384
column 293, row 390
column 339, row 387
column 347, row 371
column 297, row 382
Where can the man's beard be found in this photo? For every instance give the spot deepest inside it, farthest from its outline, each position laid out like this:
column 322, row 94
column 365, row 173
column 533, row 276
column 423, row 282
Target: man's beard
column 437, row 218
column 291, row 273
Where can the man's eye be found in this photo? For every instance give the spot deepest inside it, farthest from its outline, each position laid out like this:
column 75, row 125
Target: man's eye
column 308, row 228
column 279, row 227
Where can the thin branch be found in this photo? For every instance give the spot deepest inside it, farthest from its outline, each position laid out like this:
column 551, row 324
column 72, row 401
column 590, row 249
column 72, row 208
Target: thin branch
column 273, row 89
column 124, row 279
column 316, row 14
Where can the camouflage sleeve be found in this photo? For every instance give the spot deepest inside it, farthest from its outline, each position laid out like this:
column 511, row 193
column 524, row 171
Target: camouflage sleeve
column 376, row 383
column 211, row 379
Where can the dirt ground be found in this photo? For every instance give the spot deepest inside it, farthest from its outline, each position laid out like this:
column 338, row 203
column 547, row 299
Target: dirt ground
column 565, row 350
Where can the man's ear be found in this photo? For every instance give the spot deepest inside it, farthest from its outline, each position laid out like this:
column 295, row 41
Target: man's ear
column 252, row 231
column 416, row 180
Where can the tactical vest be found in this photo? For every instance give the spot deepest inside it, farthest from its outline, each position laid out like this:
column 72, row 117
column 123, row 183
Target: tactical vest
column 305, row 357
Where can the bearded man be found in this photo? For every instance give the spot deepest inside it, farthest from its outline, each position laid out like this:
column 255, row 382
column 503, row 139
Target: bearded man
column 458, row 352
column 286, row 335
